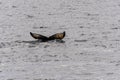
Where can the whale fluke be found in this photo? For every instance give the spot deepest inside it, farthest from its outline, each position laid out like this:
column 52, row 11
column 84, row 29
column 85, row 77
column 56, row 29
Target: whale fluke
column 59, row 36
column 39, row 36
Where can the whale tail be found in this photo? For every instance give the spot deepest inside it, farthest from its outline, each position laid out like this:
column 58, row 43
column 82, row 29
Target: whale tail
column 38, row 36
column 44, row 38
column 57, row 36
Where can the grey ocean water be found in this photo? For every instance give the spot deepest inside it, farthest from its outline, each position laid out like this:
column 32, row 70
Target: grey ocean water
column 92, row 43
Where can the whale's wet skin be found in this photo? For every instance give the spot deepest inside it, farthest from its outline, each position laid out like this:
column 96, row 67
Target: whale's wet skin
column 90, row 49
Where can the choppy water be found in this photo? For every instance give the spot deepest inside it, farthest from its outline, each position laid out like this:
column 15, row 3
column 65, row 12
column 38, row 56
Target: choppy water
column 91, row 49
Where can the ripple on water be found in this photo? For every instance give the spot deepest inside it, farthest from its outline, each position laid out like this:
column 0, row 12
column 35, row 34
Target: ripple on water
column 80, row 40
column 10, row 44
